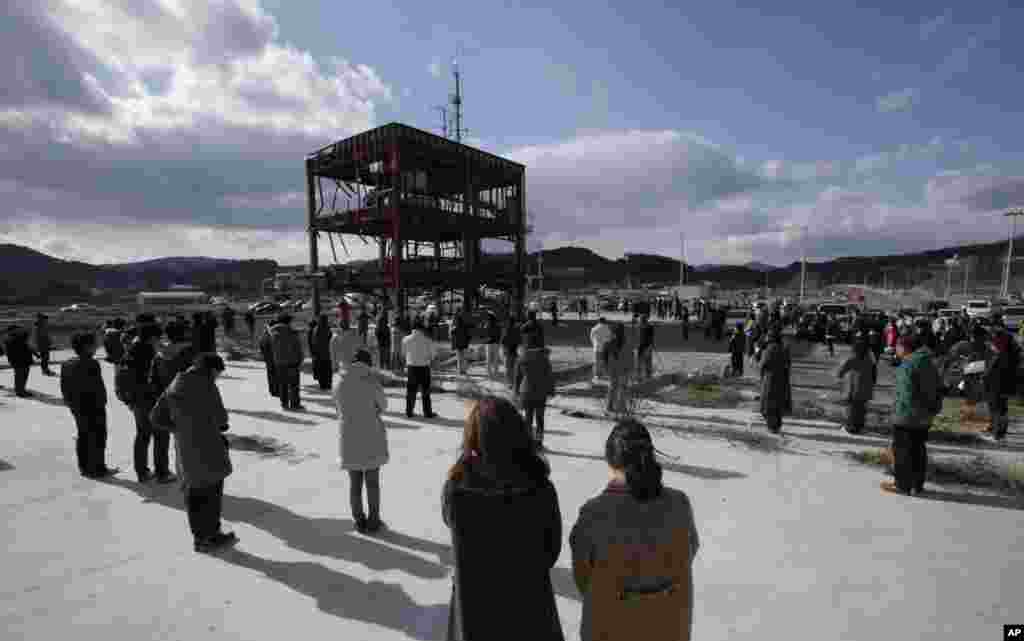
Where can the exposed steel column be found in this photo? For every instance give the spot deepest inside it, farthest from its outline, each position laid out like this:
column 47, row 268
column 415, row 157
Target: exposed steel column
column 314, row 254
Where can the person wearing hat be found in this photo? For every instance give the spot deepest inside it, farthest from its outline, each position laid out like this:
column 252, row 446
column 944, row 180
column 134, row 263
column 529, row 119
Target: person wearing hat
column 143, row 395
column 860, row 367
column 362, row 439
column 83, row 391
column 776, row 393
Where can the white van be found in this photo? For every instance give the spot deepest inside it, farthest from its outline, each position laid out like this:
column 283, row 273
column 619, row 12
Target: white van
column 976, row 308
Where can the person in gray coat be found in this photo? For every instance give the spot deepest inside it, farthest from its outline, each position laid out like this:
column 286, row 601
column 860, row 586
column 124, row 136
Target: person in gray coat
column 535, row 382
column 776, row 393
column 362, row 440
column 192, row 409
column 861, row 387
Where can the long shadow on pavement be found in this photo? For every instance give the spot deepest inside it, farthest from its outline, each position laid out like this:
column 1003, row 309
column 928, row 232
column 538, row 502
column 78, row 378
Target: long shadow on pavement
column 1004, row 502
column 276, row 417
column 41, row 397
column 328, row 537
column 346, row 597
column 669, row 466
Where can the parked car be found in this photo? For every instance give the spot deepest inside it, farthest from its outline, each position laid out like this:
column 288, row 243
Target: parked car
column 79, row 307
column 976, row 308
column 1012, row 317
column 266, row 307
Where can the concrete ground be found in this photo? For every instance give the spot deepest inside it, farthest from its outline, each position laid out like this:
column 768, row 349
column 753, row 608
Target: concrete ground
column 794, row 545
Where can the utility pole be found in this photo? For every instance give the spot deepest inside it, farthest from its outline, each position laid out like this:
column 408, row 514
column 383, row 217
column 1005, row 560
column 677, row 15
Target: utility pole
column 682, row 263
column 803, row 261
column 1012, row 215
column 456, row 98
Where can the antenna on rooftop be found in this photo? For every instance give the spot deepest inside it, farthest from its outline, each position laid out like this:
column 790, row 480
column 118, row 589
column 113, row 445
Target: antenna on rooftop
column 456, row 98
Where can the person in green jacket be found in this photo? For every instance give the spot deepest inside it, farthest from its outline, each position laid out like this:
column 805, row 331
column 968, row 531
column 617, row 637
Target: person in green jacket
column 918, row 400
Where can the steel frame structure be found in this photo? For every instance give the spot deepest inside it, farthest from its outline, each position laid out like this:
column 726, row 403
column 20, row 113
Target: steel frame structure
column 427, row 202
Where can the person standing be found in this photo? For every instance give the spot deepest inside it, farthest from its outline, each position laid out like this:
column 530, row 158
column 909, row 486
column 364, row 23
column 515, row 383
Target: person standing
column 19, row 355
column 250, row 322
column 43, row 343
column 141, row 398
column 364, row 325
column 383, row 335
column 917, row 402
column 227, row 319
column 288, row 357
column 362, row 439
column 267, row 350
column 510, row 340
column 832, row 334
column 535, row 382
column 320, row 352
column 1000, row 382
column 208, row 334
column 344, row 344
column 460, row 342
column 493, row 346
column 635, row 508
column 861, row 369
column 600, row 334
column 419, row 353
column 398, row 331
column 645, row 349
column 685, row 317
column 498, row 496
column 776, row 392
column 112, row 341
column 192, row 409
column 532, row 326
column 81, row 386
column 344, row 312
column 554, row 313
column 737, row 348
column 617, row 364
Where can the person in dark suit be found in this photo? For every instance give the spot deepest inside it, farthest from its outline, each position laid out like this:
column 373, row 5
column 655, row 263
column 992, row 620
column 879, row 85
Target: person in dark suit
column 81, row 386
column 19, row 355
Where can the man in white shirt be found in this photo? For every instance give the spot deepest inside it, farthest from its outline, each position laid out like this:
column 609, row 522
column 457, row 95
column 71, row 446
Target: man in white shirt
column 419, row 353
column 600, row 334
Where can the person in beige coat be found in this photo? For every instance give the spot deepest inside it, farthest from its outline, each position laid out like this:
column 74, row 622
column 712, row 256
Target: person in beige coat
column 363, row 441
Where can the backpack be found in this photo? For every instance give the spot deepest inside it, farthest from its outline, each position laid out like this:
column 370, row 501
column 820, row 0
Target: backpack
column 126, row 382
column 163, row 370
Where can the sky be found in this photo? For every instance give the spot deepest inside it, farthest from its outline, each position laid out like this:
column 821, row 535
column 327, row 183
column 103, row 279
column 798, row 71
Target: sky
column 134, row 129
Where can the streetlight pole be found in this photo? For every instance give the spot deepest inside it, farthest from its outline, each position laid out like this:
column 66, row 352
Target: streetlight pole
column 1012, row 215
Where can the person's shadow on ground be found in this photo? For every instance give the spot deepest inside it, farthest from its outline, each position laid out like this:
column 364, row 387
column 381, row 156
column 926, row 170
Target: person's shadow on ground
column 41, row 397
column 340, row 595
column 698, row 471
column 332, row 538
column 277, row 417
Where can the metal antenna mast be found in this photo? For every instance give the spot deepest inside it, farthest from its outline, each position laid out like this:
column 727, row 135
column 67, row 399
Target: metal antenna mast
column 444, row 120
column 457, row 97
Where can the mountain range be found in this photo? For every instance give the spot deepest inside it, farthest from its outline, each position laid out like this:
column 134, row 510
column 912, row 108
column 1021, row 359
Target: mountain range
column 31, row 277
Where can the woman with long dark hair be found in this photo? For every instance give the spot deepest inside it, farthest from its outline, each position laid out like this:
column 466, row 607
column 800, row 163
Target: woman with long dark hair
column 506, row 530
column 635, row 511
column 617, row 364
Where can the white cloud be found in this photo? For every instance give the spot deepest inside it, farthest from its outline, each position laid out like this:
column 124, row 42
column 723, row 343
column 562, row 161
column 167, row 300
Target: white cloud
column 195, row 66
column 901, row 100
column 281, row 200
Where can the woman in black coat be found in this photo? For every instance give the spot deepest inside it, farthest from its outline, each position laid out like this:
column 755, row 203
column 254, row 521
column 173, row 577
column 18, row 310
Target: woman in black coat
column 506, row 531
